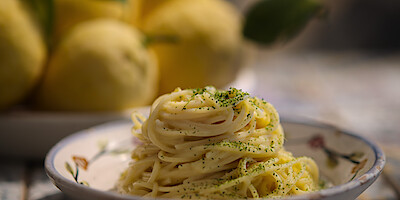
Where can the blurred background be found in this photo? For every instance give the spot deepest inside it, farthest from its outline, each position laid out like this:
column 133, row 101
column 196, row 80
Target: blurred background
column 66, row 65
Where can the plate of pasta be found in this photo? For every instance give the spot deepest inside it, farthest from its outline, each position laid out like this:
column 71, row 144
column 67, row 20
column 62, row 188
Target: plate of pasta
column 213, row 144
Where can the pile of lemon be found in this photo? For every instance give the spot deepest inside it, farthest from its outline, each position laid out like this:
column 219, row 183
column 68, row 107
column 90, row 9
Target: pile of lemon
column 114, row 55
column 98, row 55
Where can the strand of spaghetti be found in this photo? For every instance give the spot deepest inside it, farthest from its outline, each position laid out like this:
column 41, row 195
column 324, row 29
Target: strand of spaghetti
column 253, row 191
column 255, row 172
column 215, row 119
column 313, row 168
column 155, row 171
column 171, row 113
column 202, row 130
column 202, row 142
column 241, row 120
column 137, row 119
column 154, row 138
column 292, row 182
column 188, row 124
column 143, row 184
column 237, row 180
column 195, row 129
column 155, row 190
column 226, row 184
column 188, row 173
column 178, row 158
column 139, row 166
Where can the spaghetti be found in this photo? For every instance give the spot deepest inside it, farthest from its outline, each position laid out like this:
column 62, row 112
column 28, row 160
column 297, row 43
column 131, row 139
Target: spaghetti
column 214, row 144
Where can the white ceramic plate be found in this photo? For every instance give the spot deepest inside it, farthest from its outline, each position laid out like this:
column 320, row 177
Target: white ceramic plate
column 86, row 165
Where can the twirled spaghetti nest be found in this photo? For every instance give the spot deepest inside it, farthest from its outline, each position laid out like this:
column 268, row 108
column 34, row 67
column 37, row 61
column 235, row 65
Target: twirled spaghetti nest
column 214, row 144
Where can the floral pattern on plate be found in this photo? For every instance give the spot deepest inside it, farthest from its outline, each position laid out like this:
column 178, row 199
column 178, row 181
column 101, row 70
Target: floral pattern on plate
column 82, row 162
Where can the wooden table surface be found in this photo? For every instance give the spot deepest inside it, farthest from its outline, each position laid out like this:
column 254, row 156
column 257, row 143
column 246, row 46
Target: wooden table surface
column 359, row 92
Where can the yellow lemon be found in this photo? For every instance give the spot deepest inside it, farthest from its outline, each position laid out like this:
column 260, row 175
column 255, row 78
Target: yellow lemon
column 208, row 41
column 22, row 53
column 69, row 13
column 101, row 65
column 141, row 9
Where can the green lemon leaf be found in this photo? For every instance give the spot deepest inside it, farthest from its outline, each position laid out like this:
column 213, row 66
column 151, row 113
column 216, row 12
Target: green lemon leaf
column 43, row 13
column 270, row 20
